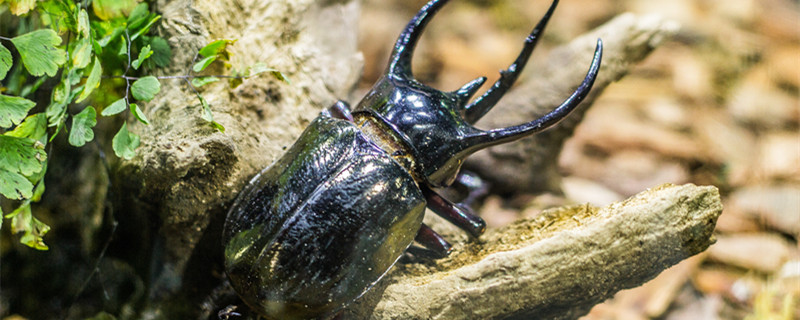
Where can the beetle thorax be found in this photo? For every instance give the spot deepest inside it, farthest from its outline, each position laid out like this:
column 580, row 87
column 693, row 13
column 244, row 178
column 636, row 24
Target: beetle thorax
column 427, row 120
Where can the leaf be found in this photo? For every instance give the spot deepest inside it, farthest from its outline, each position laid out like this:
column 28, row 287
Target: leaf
column 34, row 230
column 137, row 112
column 201, row 81
column 83, row 24
column 123, row 48
column 15, row 186
column 57, row 15
column 202, row 64
column 125, row 143
column 82, row 54
column 13, row 110
column 143, row 54
column 21, row 155
column 208, row 116
column 5, row 61
column 138, row 16
column 111, row 9
column 217, row 48
column 162, row 53
column 114, row 108
column 34, row 127
column 145, row 88
column 146, row 28
column 20, row 7
column 38, row 52
column 93, row 81
column 82, row 124
column 260, row 67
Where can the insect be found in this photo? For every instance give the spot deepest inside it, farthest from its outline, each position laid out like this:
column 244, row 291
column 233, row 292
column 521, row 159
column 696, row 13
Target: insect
column 320, row 226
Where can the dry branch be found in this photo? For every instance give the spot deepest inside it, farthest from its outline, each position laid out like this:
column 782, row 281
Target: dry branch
column 556, row 266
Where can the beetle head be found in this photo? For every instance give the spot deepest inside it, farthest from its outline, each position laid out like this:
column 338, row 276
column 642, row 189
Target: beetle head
column 437, row 125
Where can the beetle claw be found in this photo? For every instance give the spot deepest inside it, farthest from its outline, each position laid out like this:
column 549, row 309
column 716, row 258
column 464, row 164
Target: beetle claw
column 433, row 241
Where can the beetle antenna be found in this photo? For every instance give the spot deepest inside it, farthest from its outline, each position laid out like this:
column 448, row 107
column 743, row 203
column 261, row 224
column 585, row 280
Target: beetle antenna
column 503, row 135
column 400, row 62
column 475, row 110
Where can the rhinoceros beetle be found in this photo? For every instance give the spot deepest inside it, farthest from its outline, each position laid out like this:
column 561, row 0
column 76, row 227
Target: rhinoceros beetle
column 320, row 226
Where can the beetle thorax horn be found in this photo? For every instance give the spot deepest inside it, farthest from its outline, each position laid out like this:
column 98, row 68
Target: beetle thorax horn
column 436, row 125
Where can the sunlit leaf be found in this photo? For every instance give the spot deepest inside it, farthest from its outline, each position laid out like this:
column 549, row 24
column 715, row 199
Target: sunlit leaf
column 138, row 16
column 93, row 81
column 58, row 15
column 208, row 116
column 203, row 63
column 82, row 54
column 261, row 67
column 38, row 52
column 13, row 110
column 146, row 28
column 201, row 81
column 15, row 186
column 21, row 155
column 82, row 124
column 217, row 48
column 110, row 9
column 5, row 61
column 114, row 108
column 137, row 112
column 145, row 88
column 20, row 7
column 83, row 24
column 125, row 143
column 22, row 221
column 143, row 54
column 34, row 127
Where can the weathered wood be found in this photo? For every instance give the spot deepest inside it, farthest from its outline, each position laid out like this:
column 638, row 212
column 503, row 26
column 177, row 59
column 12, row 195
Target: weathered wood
column 555, row 266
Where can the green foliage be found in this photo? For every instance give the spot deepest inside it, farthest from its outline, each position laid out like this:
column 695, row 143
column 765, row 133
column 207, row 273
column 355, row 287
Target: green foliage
column 106, row 47
column 82, row 124
column 146, row 88
column 5, row 61
column 39, row 53
column 125, row 143
column 13, row 110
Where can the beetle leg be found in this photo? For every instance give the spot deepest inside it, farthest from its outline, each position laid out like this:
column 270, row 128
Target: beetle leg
column 433, row 241
column 461, row 216
column 476, row 187
column 339, row 110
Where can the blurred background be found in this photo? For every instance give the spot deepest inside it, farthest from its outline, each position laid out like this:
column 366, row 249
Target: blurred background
column 718, row 104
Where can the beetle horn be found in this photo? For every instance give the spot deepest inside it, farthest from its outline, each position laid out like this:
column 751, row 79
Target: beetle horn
column 475, row 110
column 400, row 62
column 469, row 89
column 503, row 135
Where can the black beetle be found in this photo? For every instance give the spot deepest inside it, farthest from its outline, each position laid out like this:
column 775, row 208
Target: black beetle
column 320, row 226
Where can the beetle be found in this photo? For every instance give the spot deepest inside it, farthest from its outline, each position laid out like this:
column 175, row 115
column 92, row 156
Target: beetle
column 320, row 226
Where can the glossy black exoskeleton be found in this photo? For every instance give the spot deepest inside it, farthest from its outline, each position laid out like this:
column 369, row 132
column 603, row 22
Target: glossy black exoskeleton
column 319, row 227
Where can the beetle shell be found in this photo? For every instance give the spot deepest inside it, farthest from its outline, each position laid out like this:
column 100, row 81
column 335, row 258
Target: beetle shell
column 321, row 225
